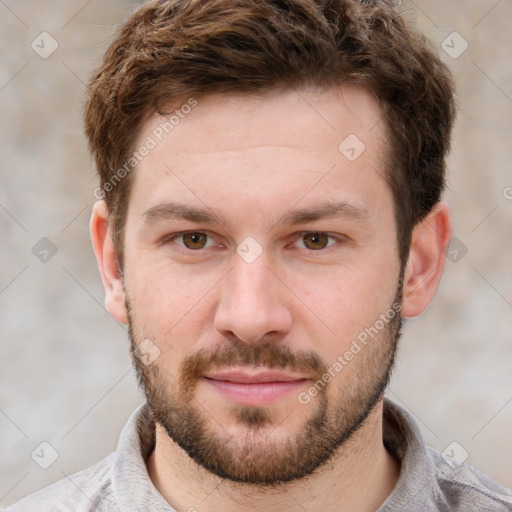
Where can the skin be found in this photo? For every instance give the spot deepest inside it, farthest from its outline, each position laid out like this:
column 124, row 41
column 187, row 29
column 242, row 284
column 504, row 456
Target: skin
column 249, row 160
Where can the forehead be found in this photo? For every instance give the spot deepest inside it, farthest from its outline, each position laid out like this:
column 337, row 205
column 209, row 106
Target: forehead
column 241, row 119
column 267, row 149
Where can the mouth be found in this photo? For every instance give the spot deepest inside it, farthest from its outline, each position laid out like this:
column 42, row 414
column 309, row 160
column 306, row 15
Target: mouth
column 257, row 388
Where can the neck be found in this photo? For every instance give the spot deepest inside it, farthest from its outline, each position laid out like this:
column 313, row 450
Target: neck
column 359, row 476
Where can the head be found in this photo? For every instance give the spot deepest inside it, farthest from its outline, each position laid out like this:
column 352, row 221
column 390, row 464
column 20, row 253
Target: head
column 271, row 175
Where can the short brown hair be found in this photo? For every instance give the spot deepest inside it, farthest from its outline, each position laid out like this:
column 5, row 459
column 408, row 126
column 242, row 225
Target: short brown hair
column 171, row 50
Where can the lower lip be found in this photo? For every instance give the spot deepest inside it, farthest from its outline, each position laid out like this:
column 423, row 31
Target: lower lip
column 261, row 393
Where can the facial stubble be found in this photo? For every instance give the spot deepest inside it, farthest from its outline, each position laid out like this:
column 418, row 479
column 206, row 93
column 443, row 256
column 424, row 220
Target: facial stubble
column 262, row 458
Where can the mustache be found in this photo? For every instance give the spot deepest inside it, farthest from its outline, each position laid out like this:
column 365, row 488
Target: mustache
column 266, row 354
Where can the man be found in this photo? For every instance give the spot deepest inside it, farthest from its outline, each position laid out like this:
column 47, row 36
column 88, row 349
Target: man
column 270, row 185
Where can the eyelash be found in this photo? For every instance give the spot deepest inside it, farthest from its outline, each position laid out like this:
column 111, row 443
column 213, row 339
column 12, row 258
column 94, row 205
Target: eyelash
column 172, row 237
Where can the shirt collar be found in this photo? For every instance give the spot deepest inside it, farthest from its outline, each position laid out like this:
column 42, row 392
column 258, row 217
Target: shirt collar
column 132, row 485
column 403, row 439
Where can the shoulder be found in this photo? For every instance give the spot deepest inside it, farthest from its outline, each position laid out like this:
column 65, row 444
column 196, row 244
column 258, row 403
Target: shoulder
column 460, row 486
column 430, row 480
column 83, row 491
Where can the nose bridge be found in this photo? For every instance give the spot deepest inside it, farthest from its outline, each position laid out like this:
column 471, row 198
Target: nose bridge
column 252, row 281
column 252, row 303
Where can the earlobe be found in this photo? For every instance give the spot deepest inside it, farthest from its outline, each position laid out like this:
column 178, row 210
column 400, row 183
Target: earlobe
column 427, row 256
column 107, row 261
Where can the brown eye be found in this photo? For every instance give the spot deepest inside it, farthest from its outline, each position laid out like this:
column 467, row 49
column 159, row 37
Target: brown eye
column 316, row 241
column 194, row 240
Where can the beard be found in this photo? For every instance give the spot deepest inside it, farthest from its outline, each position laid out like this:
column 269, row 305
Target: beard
column 263, row 457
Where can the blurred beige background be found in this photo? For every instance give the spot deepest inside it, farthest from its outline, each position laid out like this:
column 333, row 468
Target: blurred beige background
column 65, row 367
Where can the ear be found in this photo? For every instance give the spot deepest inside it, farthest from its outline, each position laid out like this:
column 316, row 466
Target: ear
column 107, row 261
column 427, row 256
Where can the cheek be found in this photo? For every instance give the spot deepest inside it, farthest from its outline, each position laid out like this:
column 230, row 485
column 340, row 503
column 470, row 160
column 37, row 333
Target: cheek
column 168, row 305
column 345, row 304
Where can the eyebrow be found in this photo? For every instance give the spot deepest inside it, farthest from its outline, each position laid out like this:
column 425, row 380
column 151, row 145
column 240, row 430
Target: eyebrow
column 168, row 211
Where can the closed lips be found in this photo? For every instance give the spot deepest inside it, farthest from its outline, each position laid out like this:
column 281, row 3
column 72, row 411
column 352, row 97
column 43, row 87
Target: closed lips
column 255, row 378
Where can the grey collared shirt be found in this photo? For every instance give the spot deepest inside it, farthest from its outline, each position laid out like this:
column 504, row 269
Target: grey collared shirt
column 429, row 481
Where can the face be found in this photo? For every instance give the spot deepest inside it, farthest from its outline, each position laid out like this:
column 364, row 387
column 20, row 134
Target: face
column 259, row 253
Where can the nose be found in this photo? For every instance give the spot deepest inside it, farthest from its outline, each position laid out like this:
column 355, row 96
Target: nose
column 254, row 302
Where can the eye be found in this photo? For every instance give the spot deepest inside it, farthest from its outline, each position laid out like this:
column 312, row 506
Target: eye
column 317, row 240
column 192, row 240
column 197, row 240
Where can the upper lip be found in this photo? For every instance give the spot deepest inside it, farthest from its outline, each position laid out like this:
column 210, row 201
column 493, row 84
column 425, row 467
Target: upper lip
column 251, row 378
